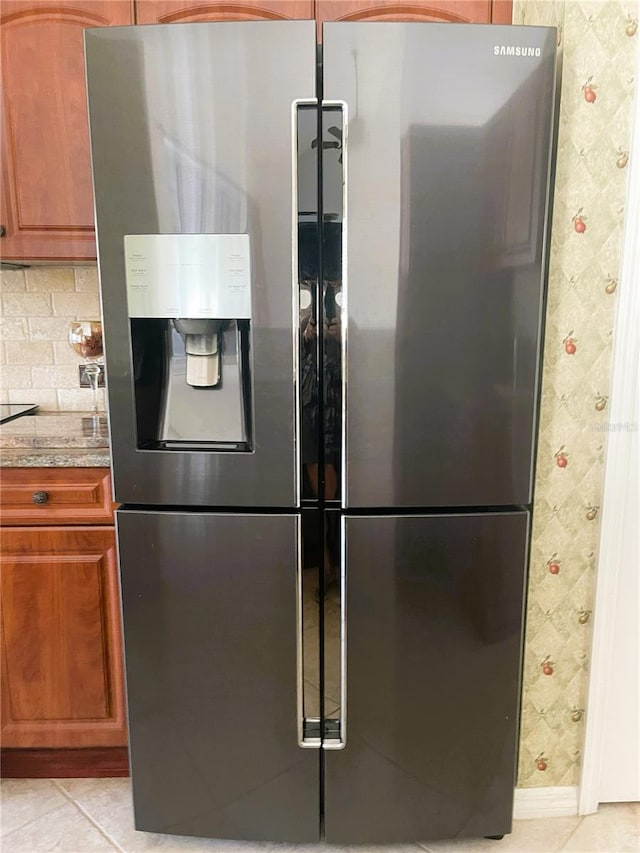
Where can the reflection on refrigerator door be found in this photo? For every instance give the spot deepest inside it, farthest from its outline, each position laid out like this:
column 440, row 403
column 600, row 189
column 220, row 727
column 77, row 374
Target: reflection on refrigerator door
column 321, row 320
column 333, row 605
column 323, row 625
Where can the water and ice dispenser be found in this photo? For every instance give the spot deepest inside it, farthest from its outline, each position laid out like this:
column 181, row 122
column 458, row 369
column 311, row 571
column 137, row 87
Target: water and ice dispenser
column 189, row 303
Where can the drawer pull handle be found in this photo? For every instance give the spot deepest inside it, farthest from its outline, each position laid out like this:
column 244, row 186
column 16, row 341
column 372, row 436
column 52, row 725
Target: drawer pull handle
column 40, row 497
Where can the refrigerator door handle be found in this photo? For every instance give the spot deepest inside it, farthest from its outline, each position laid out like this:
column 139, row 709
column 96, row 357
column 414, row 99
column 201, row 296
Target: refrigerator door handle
column 308, row 731
column 338, row 740
column 344, row 280
column 296, row 105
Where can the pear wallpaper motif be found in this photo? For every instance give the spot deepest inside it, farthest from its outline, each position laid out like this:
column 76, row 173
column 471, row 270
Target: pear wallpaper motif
column 598, row 41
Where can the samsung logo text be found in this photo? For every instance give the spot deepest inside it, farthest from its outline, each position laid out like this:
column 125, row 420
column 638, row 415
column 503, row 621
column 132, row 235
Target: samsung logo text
column 512, row 50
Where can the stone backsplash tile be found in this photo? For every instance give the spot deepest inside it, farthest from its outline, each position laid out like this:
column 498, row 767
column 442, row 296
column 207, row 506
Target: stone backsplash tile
column 55, row 376
column 49, row 280
column 13, row 281
column 15, row 376
column 34, row 353
column 63, row 354
column 38, row 305
column 82, row 306
column 49, row 329
column 26, row 305
column 86, row 279
column 13, row 328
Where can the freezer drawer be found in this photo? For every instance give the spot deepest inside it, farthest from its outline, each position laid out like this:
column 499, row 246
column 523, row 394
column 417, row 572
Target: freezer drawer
column 447, row 180
column 209, row 606
column 434, row 610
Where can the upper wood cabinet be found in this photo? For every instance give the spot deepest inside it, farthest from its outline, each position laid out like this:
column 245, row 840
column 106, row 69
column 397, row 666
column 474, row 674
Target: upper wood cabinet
column 46, row 200
column 451, row 11
column 186, row 11
column 478, row 11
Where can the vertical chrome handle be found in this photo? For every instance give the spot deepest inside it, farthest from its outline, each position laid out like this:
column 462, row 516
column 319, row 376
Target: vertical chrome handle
column 304, row 741
column 299, row 638
column 331, row 739
column 295, row 308
column 344, row 308
column 295, row 293
column 340, row 741
column 308, row 730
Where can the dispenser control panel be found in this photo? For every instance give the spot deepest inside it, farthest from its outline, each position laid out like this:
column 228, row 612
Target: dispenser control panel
column 188, row 275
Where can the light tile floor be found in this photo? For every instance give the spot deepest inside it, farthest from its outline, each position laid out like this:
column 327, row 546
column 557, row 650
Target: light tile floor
column 83, row 815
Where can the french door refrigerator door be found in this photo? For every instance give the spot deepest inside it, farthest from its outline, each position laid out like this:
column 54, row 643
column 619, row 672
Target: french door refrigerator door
column 433, row 649
column 447, row 180
column 192, row 134
column 209, row 605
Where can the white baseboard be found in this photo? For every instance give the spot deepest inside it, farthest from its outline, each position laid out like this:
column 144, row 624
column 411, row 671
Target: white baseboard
column 545, row 802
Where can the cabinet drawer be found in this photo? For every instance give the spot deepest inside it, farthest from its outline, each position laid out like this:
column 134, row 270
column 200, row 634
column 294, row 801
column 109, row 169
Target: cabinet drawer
column 55, row 496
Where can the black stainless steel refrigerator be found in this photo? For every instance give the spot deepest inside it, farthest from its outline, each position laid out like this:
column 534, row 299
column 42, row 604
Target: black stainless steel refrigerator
column 322, row 279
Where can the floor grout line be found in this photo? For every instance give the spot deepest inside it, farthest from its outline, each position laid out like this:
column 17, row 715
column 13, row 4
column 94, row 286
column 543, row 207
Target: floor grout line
column 89, row 817
column 32, row 820
column 572, row 833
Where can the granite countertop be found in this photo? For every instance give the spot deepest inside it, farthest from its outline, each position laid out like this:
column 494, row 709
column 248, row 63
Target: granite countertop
column 50, row 440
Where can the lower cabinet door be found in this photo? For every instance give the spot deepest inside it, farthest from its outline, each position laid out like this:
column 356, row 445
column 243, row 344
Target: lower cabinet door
column 62, row 683
column 434, row 609
column 209, row 604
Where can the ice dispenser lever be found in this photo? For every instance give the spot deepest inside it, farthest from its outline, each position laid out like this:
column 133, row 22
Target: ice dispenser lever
column 202, row 349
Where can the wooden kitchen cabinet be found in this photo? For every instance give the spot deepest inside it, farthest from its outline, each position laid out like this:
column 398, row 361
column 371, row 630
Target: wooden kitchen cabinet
column 476, row 11
column 46, row 199
column 63, row 708
column 62, row 661
column 451, row 11
column 190, row 11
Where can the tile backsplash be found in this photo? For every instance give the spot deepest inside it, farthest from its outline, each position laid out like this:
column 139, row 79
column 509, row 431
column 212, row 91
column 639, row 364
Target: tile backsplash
column 37, row 365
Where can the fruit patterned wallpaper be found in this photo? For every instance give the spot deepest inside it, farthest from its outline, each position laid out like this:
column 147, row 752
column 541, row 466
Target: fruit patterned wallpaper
column 598, row 41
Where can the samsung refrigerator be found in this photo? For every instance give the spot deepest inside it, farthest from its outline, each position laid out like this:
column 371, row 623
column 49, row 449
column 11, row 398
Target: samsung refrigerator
column 323, row 282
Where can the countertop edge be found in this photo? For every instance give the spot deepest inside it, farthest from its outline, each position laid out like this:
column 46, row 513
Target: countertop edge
column 55, row 458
